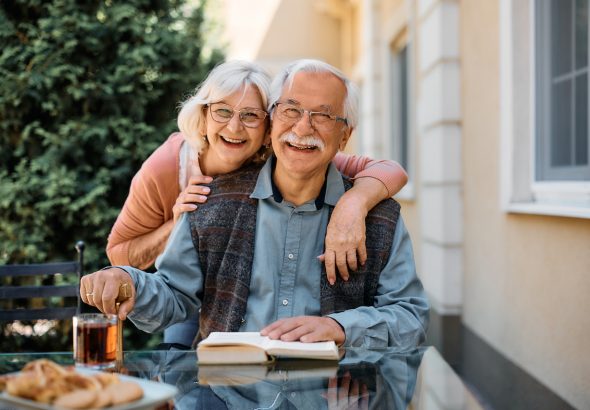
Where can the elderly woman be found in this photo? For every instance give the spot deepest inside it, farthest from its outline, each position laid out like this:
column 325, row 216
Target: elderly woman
column 223, row 126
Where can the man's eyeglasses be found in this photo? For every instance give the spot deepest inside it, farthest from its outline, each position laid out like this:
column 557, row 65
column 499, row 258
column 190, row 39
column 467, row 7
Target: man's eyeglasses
column 250, row 117
column 321, row 121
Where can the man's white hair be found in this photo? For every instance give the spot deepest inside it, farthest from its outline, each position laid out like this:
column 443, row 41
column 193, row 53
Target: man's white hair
column 350, row 106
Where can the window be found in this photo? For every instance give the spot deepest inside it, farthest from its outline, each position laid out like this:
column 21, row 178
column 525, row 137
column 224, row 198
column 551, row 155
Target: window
column 544, row 109
column 561, row 87
column 400, row 120
column 398, row 115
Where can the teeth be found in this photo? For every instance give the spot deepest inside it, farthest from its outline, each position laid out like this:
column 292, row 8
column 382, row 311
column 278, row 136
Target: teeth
column 302, row 147
column 232, row 140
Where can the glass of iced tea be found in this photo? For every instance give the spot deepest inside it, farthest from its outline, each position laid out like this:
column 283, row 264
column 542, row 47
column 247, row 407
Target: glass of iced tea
column 95, row 340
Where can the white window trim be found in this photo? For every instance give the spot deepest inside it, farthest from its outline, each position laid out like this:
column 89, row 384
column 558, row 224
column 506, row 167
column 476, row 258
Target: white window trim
column 519, row 192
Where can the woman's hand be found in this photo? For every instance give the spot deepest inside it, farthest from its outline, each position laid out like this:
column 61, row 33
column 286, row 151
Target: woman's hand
column 345, row 238
column 104, row 288
column 194, row 193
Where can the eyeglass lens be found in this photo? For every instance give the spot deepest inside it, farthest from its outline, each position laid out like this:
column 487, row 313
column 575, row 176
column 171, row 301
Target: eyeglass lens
column 319, row 120
column 250, row 117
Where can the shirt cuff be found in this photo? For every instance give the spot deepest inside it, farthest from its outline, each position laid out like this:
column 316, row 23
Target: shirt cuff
column 357, row 332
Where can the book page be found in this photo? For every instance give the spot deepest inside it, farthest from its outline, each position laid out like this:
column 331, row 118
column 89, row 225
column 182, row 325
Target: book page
column 317, row 350
column 300, row 346
column 235, row 338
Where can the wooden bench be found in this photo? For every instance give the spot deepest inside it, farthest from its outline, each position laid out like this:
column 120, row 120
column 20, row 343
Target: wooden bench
column 44, row 287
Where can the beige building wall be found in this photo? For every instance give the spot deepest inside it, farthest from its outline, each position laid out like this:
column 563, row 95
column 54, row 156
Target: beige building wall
column 274, row 32
column 527, row 278
column 524, row 279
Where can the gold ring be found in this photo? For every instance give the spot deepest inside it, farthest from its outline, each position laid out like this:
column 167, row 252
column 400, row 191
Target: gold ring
column 89, row 294
column 124, row 291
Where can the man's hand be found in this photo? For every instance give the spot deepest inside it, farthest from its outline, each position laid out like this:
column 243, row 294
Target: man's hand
column 102, row 288
column 305, row 329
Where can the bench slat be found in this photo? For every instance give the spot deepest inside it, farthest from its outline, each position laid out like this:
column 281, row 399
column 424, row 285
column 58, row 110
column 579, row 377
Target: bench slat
column 17, row 292
column 59, row 313
column 37, row 269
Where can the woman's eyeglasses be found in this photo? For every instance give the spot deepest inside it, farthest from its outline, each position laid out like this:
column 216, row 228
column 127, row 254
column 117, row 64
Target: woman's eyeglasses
column 250, row 117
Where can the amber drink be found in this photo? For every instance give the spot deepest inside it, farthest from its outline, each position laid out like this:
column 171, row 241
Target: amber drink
column 95, row 340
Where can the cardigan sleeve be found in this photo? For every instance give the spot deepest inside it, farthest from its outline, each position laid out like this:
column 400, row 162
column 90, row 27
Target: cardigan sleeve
column 356, row 166
column 153, row 191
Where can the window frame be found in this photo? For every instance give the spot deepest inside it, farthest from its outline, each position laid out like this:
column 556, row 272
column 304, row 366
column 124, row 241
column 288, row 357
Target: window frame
column 544, row 171
column 520, row 191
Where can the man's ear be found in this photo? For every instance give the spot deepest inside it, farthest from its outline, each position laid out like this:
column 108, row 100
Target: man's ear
column 345, row 137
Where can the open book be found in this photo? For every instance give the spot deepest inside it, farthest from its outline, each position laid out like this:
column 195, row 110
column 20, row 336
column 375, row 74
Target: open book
column 251, row 347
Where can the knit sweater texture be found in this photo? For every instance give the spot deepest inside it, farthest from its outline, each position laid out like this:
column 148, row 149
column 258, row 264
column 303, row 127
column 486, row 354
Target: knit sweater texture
column 223, row 232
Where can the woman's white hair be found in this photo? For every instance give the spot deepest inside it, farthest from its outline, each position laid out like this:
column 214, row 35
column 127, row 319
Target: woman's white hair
column 222, row 81
column 350, row 106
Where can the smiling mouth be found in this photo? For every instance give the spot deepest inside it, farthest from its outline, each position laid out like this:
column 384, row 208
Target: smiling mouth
column 232, row 141
column 302, row 147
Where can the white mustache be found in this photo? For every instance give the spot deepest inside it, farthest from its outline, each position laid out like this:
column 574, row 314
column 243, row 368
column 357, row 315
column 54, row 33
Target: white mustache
column 309, row 140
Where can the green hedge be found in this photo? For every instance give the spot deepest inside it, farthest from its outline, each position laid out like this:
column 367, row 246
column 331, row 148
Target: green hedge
column 88, row 90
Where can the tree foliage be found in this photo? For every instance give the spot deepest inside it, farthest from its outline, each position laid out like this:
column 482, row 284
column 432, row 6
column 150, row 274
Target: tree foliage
column 89, row 89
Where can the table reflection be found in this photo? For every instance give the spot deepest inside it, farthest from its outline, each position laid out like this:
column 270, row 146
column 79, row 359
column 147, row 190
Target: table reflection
column 363, row 379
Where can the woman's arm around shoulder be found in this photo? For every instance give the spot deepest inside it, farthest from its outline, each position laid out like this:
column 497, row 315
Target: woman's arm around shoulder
column 391, row 174
column 148, row 207
column 374, row 181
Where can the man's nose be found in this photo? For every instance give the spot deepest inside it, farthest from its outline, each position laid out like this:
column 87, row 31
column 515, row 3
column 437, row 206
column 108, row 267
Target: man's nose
column 303, row 126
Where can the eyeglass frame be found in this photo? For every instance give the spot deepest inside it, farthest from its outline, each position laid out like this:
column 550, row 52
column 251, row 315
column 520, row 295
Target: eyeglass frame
column 302, row 112
column 208, row 106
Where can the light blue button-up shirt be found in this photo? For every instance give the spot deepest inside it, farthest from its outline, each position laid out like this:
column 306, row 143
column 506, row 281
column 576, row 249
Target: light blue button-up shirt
column 286, row 274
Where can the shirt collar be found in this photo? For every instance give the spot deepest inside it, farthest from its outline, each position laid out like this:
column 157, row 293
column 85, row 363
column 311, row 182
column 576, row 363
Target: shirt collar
column 331, row 192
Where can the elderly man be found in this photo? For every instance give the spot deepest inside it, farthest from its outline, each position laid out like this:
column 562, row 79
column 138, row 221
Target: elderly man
column 248, row 261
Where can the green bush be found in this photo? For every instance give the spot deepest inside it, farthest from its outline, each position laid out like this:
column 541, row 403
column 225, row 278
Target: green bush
column 88, row 90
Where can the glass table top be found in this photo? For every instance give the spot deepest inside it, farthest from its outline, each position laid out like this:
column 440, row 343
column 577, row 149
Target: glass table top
column 363, row 379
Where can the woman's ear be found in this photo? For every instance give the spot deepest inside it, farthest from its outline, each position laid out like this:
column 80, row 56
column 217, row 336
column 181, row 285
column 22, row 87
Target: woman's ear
column 203, row 122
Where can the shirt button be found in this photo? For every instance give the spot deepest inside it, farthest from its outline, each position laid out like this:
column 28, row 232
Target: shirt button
column 285, row 302
column 291, row 256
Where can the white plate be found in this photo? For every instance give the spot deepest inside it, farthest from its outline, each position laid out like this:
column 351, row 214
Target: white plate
column 154, row 394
